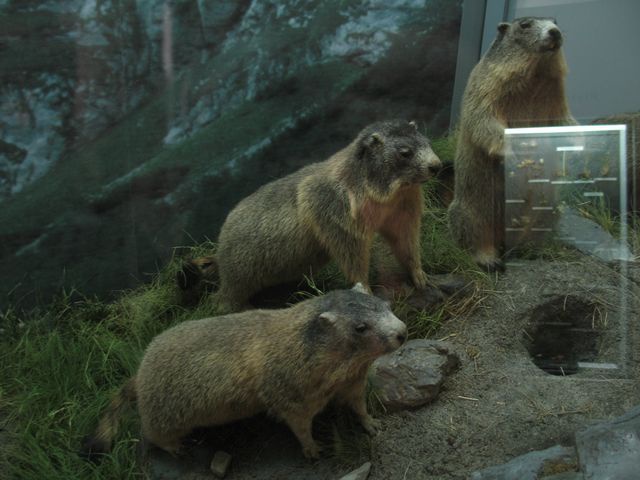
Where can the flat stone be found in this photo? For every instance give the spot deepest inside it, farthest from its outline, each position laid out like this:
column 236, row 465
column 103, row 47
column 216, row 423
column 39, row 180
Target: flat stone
column 360, row 474
column 220, row 463
column 526, row 467
column 611, row 450
column 412, row 375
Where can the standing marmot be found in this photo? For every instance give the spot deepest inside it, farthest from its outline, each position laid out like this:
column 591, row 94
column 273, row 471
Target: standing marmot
column 289, row 363
column 519, row 82
column 326, row 210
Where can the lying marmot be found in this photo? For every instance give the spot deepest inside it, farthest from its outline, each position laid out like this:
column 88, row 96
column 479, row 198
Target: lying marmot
column 327, row 210
column 519, row 82
column 289, row 363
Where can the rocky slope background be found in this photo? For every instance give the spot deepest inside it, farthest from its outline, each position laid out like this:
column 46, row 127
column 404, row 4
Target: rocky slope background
column 130, row 128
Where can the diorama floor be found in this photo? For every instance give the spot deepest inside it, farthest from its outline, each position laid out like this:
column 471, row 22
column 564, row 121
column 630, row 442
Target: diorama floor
column 497, row 406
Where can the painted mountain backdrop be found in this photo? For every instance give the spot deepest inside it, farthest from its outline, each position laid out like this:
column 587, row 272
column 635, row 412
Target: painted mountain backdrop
column 130, row 127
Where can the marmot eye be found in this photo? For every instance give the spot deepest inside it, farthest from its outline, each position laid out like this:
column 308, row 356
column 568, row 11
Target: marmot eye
column 406, row 152
column 525, row 24
column 361, row 327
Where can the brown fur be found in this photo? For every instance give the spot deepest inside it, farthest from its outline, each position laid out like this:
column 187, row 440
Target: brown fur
column 288, row 362
column 519, row 82
column 328, row 210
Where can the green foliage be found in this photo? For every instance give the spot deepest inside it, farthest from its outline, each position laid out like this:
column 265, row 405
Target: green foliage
column 56, row 381
column 58, row 370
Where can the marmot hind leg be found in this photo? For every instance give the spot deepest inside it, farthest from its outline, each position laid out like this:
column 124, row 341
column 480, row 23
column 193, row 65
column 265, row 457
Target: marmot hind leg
column 300, row 424
column 477, row 235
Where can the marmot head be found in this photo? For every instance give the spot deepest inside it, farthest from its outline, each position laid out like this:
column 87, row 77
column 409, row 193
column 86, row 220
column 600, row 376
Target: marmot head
column 532, row 34
column 394, row 154
column 354, row 325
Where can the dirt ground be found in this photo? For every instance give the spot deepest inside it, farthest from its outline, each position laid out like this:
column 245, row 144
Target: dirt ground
column 498, row 405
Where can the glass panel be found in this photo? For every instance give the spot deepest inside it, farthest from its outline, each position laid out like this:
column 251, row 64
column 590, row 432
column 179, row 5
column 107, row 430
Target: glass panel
column 555, row 175
column 567, row 186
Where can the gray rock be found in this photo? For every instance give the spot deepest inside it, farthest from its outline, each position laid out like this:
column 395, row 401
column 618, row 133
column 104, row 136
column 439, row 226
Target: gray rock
column 220, row 463
column 412, row 375
column 526, row 467
column 611, row 450
column 360, row 474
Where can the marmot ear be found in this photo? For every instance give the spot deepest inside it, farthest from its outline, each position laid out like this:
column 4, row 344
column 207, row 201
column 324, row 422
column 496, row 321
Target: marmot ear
column 329, row 318
column 503, row 27
column 358, row 287
column 414, row 125
column 373, row 140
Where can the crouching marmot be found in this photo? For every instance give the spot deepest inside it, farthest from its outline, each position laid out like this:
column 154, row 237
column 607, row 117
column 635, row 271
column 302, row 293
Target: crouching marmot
column 326, row 210
column 519, row 82
column 289, row 363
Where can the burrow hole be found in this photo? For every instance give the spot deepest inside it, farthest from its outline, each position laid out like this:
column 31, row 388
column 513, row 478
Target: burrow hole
column 561, row 333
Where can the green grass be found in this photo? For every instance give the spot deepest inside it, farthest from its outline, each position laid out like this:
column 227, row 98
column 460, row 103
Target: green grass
column 56, row 378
